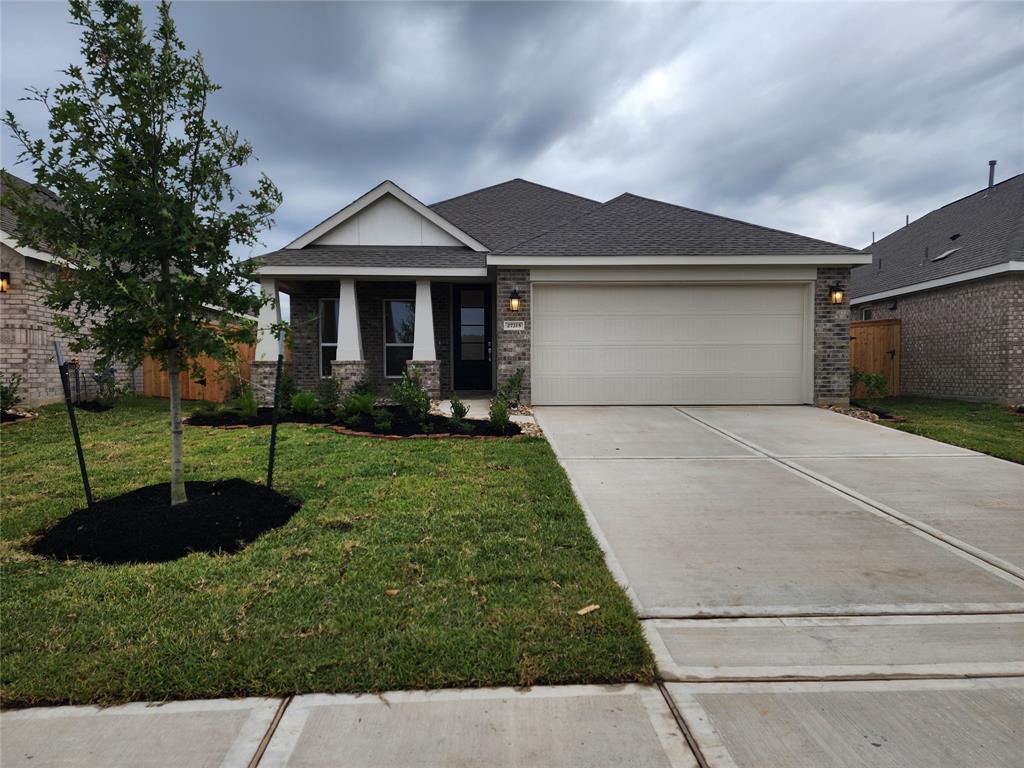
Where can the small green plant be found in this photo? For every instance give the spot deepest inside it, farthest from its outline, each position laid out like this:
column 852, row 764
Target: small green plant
column 412, row 398
column 246, row 403
column 306, row 404
column 458, row 417
column 875, row 384
column 9, row 386
column 328, row 393
column 359, row 405
column 499, row 415
column 107, row 388
column 512, row 390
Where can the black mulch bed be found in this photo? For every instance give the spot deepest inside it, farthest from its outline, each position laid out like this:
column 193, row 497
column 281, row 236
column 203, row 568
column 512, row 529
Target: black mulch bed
column 142, row 527
column 93, row 406
column 228, row 417
column 9, row 416
column 401, row 425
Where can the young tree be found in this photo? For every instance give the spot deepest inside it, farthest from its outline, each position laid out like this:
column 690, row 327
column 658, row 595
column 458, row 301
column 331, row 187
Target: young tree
column 146, row 210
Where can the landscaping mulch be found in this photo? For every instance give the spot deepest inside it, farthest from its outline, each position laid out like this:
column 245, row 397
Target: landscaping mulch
column 10, row 417
column 142, row 527
column 93, row 406
column 263, row 418
column 403, row 426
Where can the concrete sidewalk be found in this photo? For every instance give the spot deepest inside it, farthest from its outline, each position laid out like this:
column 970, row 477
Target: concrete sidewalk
column 556, row 727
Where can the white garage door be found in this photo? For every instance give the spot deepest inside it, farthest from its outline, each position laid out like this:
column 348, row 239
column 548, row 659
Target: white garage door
column 670, row 344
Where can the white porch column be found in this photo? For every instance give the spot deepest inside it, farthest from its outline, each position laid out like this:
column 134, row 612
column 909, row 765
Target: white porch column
column 350, row 341
column 268, row 344
column 423, row 332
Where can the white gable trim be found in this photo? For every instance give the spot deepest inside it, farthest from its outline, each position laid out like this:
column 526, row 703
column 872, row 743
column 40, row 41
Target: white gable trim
column 8, row 240
column 385, row 188
column 963, row 277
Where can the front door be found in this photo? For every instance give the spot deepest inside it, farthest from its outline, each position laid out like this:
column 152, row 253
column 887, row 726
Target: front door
column 472, row 348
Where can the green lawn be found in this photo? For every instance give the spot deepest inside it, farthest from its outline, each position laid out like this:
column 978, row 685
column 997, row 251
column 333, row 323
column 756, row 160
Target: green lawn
column 984, row 427
column 483, row 539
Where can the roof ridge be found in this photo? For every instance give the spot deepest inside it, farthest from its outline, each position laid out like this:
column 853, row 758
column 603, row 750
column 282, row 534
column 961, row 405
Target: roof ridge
column 745, row 223
column 509, row 181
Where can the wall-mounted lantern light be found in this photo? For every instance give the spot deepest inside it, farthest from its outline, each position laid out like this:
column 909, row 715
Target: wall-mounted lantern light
column 514, row 301
column 5, row 282
column 836, row 293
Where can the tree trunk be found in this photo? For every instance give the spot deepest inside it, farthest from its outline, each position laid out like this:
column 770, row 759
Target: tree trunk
column 177, row 465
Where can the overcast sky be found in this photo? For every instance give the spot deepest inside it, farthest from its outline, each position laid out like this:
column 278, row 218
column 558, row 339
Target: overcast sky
column 832, row 120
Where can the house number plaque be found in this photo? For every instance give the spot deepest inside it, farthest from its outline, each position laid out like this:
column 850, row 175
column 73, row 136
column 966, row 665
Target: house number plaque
column 514, row 325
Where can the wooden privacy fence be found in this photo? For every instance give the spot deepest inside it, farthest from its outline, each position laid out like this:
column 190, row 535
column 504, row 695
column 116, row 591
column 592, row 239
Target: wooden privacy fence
column 217, row 386
column 875, row 348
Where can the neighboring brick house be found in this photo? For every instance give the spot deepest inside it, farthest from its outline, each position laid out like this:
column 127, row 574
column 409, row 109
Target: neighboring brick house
column 631, row 301
column 955, row 280
column 27, row 331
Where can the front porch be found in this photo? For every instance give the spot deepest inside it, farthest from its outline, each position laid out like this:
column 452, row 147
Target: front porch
column 376, row 327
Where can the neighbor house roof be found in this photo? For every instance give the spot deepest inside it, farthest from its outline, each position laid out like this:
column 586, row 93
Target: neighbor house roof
column 629, row 225
column 511, row 212
column 977, row 232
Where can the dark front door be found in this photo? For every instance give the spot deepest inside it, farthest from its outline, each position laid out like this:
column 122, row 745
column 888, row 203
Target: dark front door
column 472, row 347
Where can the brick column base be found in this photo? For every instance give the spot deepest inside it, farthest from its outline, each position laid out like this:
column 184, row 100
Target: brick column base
column 262, row 375
column 430, row 375
column 348, row 373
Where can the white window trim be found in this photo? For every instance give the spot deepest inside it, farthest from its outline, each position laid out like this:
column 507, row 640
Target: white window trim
column 384, row 335
column 320, row 334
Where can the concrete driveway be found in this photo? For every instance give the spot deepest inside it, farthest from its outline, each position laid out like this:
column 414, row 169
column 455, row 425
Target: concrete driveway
column 770, row 544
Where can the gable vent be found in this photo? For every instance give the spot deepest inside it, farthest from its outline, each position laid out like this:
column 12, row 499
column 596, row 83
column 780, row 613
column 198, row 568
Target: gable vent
column 954, row 237
column 944, row 254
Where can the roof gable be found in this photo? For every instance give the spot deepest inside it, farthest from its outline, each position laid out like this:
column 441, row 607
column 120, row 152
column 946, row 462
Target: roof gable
column 387, row 215
column 509, row 213
column 630, row 225
column 985, row 229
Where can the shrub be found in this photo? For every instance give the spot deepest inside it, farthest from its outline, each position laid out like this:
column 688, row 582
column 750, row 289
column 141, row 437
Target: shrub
column 107, row 389
column 458, row 417
column 286, row 392
column 328, row 393
column 9, row 386
column 499, row 415
column 365, row 386
column 875, row 385
column 246, row 403
column 382, row 421
column 412, row 398
column 307, row 404
column 512, row 390
column 359, row 405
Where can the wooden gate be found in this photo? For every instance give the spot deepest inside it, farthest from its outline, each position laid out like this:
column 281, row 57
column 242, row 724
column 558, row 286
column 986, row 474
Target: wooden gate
column 214, row 387
column 875, row 348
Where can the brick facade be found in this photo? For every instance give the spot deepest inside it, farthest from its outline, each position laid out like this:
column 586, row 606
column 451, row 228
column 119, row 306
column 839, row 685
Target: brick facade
column 370, row 295
column 513, row 347
column 831, row 338
column 349, row 373
column 27, row 333
column 429, row 372
column 963, row 341
column 263, row 376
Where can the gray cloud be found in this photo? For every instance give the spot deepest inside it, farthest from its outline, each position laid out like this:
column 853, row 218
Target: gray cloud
column 833, row 120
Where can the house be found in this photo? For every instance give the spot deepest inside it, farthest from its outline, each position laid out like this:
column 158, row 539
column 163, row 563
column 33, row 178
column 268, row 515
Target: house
column 27, row 330
column 955, row 280
column 630, row 301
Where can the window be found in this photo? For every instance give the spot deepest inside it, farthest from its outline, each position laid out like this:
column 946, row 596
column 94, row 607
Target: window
column 865, row 314
column 399, row 321
column 328, row 334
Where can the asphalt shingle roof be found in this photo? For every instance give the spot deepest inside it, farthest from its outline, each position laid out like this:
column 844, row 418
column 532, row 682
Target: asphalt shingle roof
column 8, row 221
column 631, row 225
column 987, row 228
column 374, row 256
column 511, row 212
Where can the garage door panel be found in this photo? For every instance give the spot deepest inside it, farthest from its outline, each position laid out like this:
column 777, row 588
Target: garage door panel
column 611, row 344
